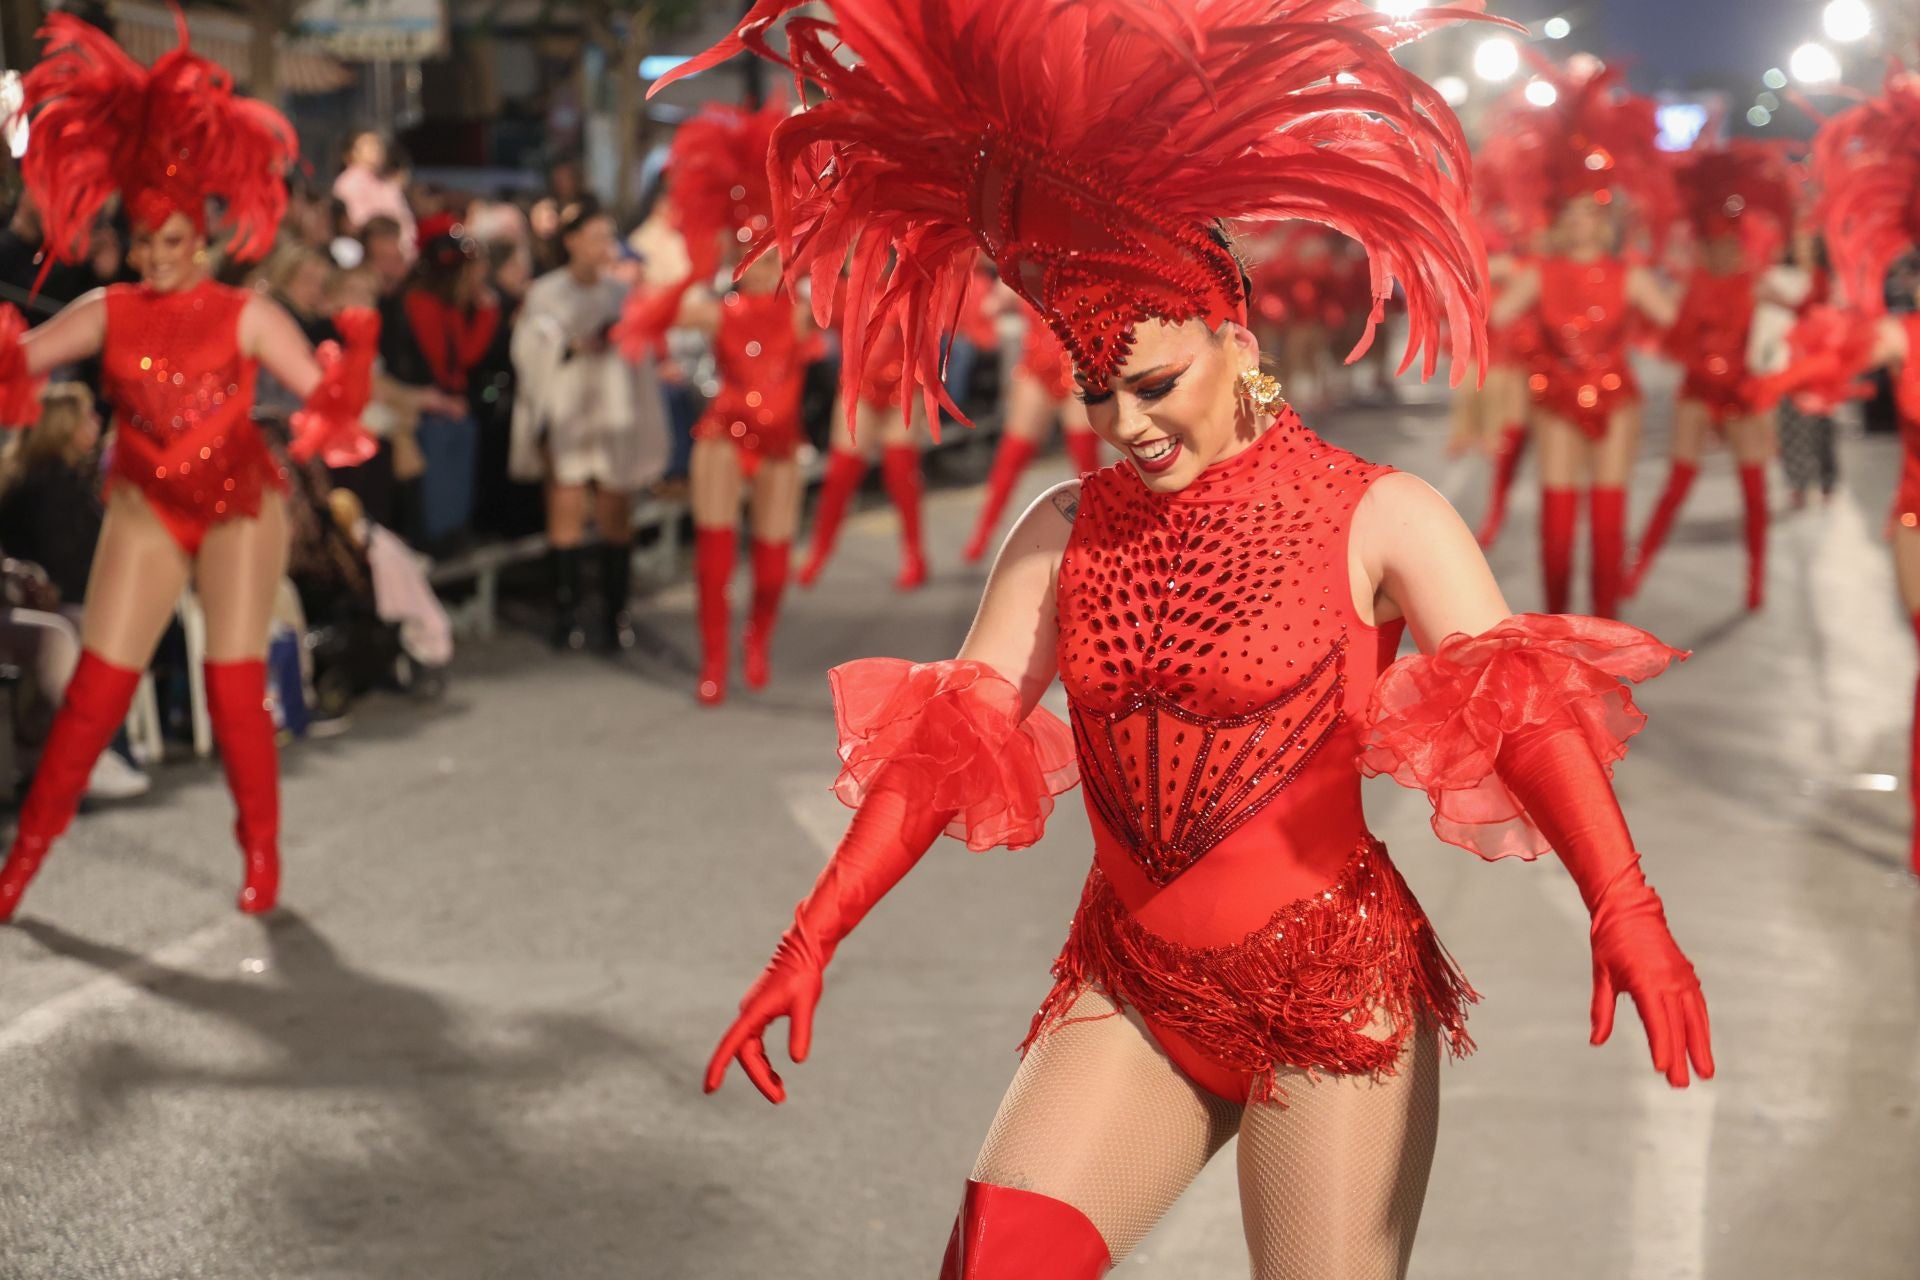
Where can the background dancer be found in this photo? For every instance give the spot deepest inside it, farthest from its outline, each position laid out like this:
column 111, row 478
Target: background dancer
column 194, row 494
column 1593, row 146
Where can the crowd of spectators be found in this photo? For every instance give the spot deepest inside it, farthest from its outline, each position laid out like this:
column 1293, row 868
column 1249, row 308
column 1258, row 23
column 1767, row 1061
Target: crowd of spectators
column 450, row 274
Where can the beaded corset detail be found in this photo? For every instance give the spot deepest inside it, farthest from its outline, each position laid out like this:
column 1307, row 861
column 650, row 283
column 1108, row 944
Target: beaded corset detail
column 1174, row 784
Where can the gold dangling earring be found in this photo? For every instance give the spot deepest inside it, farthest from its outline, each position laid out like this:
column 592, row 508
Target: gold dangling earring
column 1260, row 391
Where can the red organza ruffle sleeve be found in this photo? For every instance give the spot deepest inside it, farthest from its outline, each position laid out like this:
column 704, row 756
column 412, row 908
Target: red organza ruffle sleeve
column 1438, row 720
column 19, row 389
column 954, row 729
column 328, row 426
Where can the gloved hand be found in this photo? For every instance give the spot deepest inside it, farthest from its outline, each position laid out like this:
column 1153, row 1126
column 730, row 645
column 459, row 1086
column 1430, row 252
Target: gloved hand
column 1634, row 952
column 884, row 841
column 1569, row 797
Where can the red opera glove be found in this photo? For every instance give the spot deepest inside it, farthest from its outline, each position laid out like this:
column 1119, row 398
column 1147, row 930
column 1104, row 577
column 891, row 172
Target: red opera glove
column 926, row 748
column 19, row 389
column 1513, row 734
column 328, row 425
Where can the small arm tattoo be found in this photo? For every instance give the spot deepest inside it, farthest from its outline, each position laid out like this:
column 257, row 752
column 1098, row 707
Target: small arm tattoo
column 1067, row 503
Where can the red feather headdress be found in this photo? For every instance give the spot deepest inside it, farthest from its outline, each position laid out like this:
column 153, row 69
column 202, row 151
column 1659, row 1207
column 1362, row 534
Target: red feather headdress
column 1595, row 139
column 1867, row 161
column 1746, row 189
column 717, row 180
column 1091, row 148
column 166, row 139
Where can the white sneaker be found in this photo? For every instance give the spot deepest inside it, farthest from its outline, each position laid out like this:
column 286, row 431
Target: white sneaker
column 114, row 779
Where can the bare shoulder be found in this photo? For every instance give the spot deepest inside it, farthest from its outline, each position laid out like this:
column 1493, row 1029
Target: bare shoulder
column 1401, row 497
column 1045, row 528
column 1064, row 498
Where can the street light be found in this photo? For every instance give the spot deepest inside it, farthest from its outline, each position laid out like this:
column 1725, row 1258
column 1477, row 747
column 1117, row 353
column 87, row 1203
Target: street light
column 1847, row 20
column 1541, row 93
column 1775, row 78
column 1759, row 117
column 1557, row 29
column 1496, row 59
column 1397, row 8
column 1814, row 63
column 1453, row 89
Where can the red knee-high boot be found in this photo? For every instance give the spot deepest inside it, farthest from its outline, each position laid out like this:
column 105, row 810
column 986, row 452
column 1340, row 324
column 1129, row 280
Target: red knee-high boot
column 1083, row 450
column 900, row 467
column 1558, row 508
column 237, row 705
column 770, row 560
column 1913, row 767
column 1753, row 491
column 1005, row 1234
column 91, row 713
column 1679, row 481
column 713, row 556
column 1607, row 519
column 845, row 471
column 1009, row 460
column 1506, row 465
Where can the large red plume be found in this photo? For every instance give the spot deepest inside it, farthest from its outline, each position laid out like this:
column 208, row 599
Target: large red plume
column 1595, row 139
column 166, row 139
column 1867, row 161
column 1093, row 147
column 1746, row 189
column 717, row 180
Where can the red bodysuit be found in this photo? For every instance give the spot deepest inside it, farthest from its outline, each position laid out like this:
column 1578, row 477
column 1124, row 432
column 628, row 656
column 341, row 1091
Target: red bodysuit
column 181, row 390
column 1709, row 340
column 1218, row 674
column 1580, row 369
column 762, row 362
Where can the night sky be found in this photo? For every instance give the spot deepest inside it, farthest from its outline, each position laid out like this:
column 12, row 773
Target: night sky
column 1677, row 41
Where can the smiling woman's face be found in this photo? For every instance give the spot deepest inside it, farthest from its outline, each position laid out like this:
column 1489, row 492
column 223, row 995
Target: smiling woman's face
column 1174, row 408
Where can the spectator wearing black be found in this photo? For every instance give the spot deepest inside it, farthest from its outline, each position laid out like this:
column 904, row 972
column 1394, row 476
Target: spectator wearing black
column 504, row 507
column 434, row 333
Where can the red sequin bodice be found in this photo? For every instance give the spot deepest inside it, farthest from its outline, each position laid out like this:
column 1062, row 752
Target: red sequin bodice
column 181, row 390
column 762, row 361
column 1709, row 339
column 1906, row 398
column 1216, row 668
column 1580, row 369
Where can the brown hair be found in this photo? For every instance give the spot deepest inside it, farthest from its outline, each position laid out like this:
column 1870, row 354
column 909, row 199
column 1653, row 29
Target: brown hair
column 63, row 406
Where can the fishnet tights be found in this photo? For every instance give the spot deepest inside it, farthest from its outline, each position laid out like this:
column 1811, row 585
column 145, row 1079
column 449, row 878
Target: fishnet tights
column 1331, row 1184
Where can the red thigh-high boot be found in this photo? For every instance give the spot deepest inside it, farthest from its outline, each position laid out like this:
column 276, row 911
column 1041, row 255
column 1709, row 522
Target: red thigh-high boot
column 845, row 471
column 1558, row 508
column 713, row 556
column 1083, row 450
column 1679, row 482
column 1607, row 516
column 1009, row 460
column 1753, row 491
column 1506, row 465
column 1007, row 1234
column 900, row 466
column 95, row 705
column 237, row 705
column 770, row 560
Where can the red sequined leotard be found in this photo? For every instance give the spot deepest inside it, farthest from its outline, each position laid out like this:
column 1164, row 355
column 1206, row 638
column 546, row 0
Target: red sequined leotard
column 1580, row 370
column 1709, row 340
column 762, row 360
column 1218, row 674
column 181, row 390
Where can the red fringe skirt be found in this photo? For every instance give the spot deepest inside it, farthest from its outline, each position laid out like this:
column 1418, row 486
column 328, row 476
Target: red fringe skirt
column 1300, row 991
